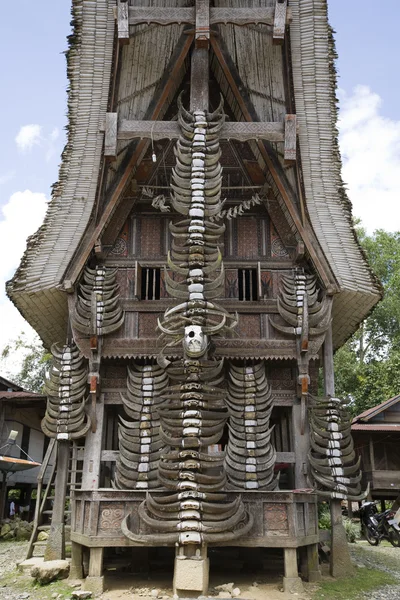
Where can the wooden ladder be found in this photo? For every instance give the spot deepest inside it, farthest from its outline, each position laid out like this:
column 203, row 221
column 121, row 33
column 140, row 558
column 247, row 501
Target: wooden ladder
column 43, row 510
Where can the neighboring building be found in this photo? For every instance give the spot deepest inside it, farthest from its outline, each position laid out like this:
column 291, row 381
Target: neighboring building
column 376, row 434
column 9, row 386
column 245, row 215
column 22, row 411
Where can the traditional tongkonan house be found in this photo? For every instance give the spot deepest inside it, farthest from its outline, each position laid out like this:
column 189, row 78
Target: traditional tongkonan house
column 196, row 265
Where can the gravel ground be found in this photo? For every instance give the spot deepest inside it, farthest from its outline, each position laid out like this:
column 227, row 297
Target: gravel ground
column 384, row 558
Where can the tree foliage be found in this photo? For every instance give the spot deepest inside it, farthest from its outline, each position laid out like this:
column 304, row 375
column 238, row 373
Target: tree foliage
column 28, row 361
column 367, row 367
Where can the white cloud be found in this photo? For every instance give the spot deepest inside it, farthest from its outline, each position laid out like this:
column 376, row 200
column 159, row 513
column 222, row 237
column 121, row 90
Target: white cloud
column 22, row 215
column 370, row 147
column 28, row 136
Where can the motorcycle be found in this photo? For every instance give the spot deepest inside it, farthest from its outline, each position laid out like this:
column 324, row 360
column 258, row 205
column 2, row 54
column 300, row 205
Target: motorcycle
column 378, row 526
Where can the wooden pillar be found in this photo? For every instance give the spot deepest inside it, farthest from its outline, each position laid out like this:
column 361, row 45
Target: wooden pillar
column 313, row 570
column 301, row 442
column 3, row 495
column 76, row 569
column 93, row 448
column 55, row 548
column 340, row 562
column 199, row 79
column 291, row 581
column 94, row 582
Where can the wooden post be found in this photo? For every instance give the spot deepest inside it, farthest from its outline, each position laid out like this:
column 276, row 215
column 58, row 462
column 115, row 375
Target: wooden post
column 123, row 21
column 55, row 548
column 291, row 581
column 313, row 570
column 93, row 446
column 3, row 495
column 340, row 563
column 199, row 79
column 111, row 133
column 290, row 139
column 301, row 443
column 76, row 569
column 94, row 582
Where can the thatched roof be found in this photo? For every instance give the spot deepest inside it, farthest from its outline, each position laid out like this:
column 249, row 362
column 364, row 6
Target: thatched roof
column 36, row 288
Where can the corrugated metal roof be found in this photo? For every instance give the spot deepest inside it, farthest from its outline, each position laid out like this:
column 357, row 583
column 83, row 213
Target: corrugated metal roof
column 375, row 410
column 374, row 427
column 21, row 396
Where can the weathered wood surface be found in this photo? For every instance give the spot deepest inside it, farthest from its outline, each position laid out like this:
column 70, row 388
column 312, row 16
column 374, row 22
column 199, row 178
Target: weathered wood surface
column 110, row 139
column 280, row 20
column 92, row 456
column 202, row 25
column 290, row 138
column 123, row 22
column 383, row 479
column 199, row 80
column 158, row 130
column 182, row 15
column 269, row 157
column 279, row 518
column 162, row 92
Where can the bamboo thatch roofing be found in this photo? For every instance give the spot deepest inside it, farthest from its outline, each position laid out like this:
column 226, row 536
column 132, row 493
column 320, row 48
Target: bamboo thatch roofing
column 36, row 288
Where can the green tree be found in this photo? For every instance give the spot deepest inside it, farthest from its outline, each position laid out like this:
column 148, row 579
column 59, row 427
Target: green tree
column 33, row 360
column 367, row 366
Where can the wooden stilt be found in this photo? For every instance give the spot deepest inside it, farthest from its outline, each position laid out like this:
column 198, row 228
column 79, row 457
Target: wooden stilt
column 291, row 581
column 313, row 570
column 94, row 582
column 76, row 569
column 340, row 563
column 55, row 548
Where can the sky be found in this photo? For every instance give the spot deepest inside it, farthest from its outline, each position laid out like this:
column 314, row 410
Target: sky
column 33, row 119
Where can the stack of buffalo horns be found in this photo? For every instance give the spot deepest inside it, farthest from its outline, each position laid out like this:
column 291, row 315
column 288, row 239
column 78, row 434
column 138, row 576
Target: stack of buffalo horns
column 65, row 387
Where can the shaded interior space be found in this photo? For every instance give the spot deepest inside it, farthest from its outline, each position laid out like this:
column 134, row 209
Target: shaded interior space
column 137, row 568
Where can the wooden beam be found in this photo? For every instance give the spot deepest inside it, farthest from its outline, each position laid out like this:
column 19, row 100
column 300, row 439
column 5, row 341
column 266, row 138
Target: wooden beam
column 161, row 15
column 110, row 139
column 160, row 96
column 218, row 16
column 242, row 131
column 202, row 25
column 290, row 139
column 269, row 156
column 123, row 21
column 278, row 33
column 199, row 77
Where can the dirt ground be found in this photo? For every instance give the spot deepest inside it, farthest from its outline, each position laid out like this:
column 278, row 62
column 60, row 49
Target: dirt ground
column 265, row 584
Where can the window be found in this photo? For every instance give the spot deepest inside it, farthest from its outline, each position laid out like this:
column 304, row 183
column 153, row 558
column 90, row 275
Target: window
column 26, row 433
column 247, row 284
column 150, row 283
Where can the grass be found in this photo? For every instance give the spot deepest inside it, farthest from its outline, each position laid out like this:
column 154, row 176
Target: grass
column 22, row 582
column 364, row 579
column 350, row 588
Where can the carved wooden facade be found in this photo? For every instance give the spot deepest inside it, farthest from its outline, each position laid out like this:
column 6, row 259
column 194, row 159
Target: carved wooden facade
column 209, row 258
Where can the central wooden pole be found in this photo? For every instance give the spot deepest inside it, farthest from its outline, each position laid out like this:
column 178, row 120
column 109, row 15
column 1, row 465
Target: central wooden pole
column 191, row 569
column 340, row 562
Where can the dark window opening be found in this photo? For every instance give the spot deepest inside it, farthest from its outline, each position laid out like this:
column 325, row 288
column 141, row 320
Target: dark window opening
column 151, row 284
column 26, row 433
column 247, row 284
